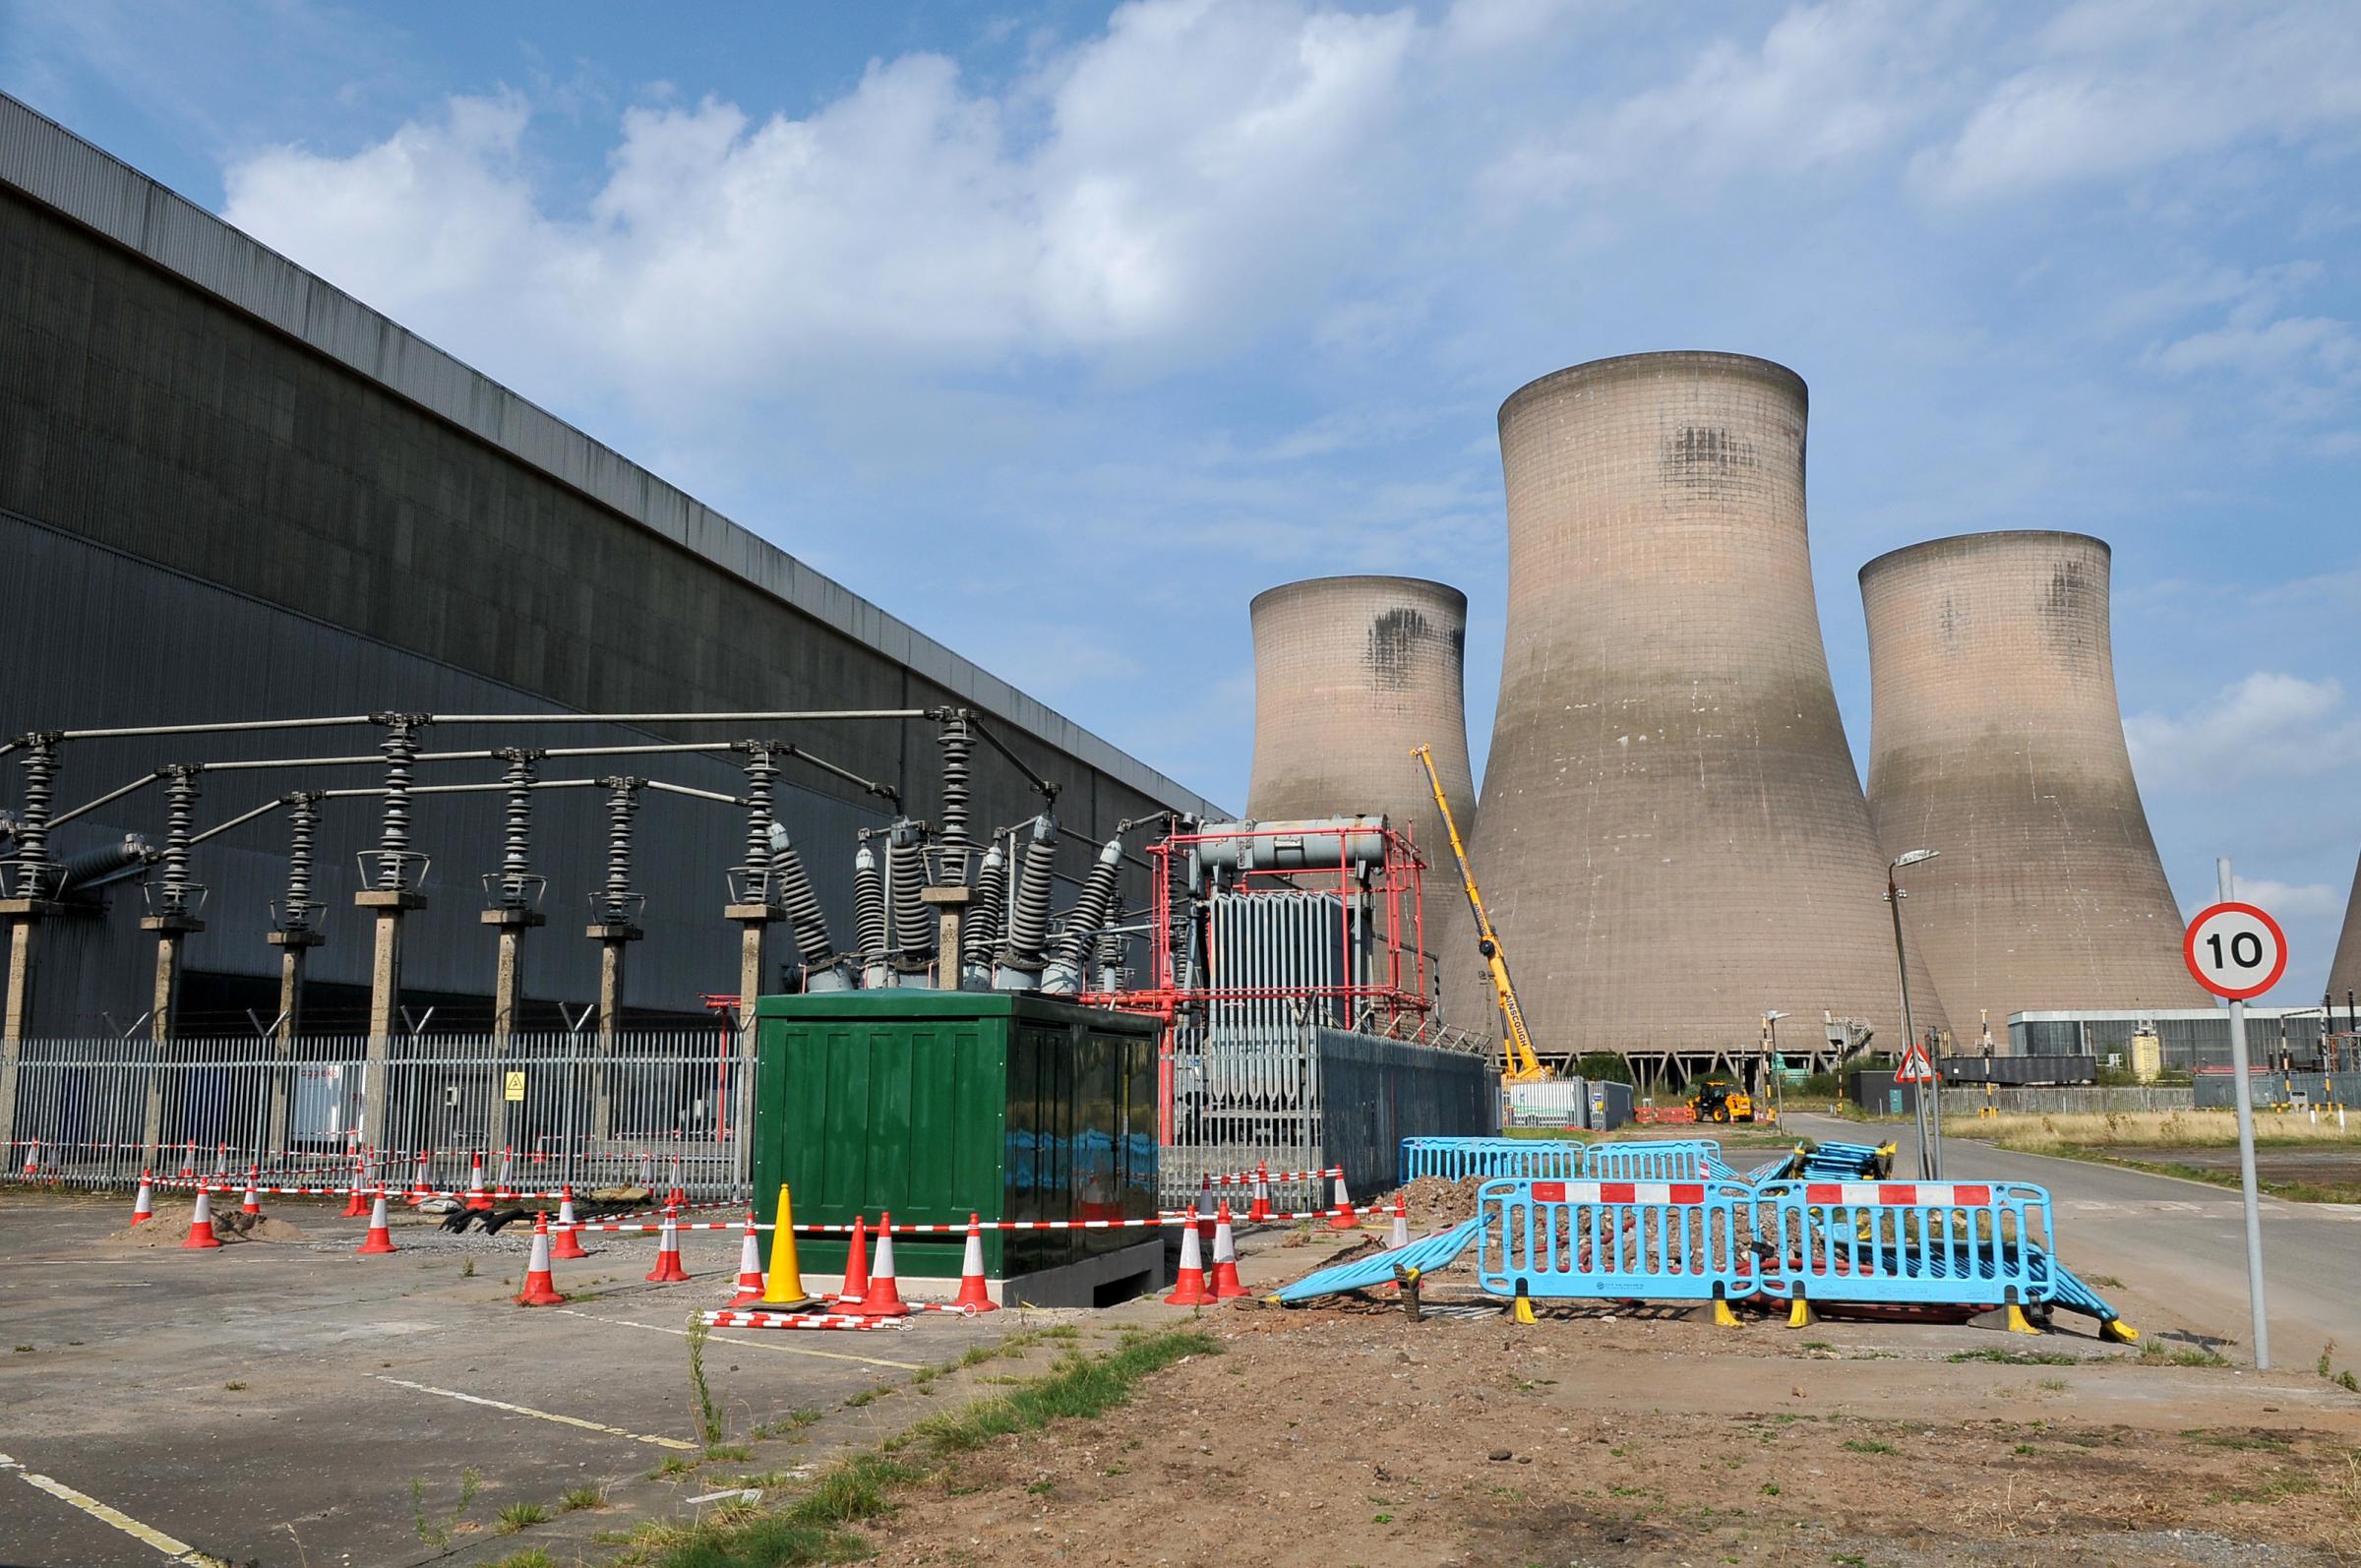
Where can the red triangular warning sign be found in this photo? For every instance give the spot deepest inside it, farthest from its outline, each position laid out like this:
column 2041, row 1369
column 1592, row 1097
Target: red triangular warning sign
column 1914, row 1069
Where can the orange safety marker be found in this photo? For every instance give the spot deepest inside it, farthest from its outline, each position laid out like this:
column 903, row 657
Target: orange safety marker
column 1399, row 1236
column 568, row 1245
column 477, row 1197
column 380, row 1239
column 188, row 1161
column 422, row 1185
column 855, row 1265
column 972, row 1292
column 1260, row 1211
column 253, row 1204
column 668, row 1270
column 354, row 1204
column 33, row 1160
column 1189, row 1290
column 201, row 1224
column 539, row 1289
column 143, row 1203
column 882, row 1299
column 1226, row 1285
column 1342, row 1217
column 750, row 1267
column 676, row 1197
column 500, row 1188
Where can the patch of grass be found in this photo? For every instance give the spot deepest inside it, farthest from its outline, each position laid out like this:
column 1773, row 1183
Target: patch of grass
column 1818, row 1344
column 585, row 1497
column 2016, row 1358
column 437, row 1533
column 2156, row 1354
column 1080, row 1386
column 2025, row 1450
column 1869, row 1445
column 2213, row 1439
column 519, row 1516
column 235, row 1388
column 24, row 1348
column 2055, row 1385
column 865, row 1396
column 2347, row 1381
column 795, row 1421
column 467, row 1270
column 671, row 1465
column 1041, row 1488
column 735, row 1453
column 1770, row 1488
column 534, row 1557
column 771, row 1541
column 850, row 1490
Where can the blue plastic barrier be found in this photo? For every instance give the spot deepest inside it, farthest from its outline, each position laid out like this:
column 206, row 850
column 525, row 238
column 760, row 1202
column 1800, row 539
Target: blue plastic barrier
column 1552, row 1160
column 1613, row 1240
column 1432, row 1252
column 1934, row 1244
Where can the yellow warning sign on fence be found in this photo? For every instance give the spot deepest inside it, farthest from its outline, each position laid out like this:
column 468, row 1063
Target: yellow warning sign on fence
column 515, row 1086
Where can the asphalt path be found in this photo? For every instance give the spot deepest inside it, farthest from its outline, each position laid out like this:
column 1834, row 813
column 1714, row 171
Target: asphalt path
column 2178, row 1247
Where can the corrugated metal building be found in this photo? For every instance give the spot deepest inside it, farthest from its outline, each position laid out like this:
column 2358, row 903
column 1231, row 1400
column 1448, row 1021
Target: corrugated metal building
column 229, row 491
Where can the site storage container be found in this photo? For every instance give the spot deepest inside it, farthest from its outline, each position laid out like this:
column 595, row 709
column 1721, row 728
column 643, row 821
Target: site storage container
column 935, row 1104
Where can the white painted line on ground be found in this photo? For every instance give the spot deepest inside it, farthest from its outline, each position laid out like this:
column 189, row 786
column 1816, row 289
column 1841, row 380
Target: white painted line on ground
column 745, row 1494
column 755, row 1345
column 538, row 1414
column 172, row 1549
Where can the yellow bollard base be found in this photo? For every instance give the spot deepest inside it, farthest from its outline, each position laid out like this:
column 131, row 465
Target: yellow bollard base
column 1522, row 1312
column 2120, row 1332
column 2019, row 1323
column 1800, row 1313
column 1723, row 1316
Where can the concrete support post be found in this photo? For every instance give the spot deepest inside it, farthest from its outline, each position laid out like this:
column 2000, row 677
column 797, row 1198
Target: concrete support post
column 21, row 916
column 950, row 903
column 507, row 991
column 294, row 947
column 753, row 921
column 614, row 941
column 389, row 905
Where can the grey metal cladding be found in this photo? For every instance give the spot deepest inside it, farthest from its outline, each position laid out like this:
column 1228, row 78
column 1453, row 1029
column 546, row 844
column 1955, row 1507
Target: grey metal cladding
column 63, row 172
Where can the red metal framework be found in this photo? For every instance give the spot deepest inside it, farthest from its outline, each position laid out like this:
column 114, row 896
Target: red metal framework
column 1395, row 983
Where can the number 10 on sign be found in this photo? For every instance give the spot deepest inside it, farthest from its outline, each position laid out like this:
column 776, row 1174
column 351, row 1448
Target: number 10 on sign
column 2235, row 950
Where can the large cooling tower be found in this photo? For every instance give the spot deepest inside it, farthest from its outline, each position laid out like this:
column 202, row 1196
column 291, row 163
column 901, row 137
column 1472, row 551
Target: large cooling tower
column 1995, row 738
column 1350, row 673
column 1673, row 838
column 2345, row 971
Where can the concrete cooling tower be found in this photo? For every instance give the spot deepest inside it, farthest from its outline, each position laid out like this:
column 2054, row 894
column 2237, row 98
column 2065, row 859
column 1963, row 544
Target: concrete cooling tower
column 1674, row 837
column 1350, row 673
column 1995, row 738
column 2345, row 971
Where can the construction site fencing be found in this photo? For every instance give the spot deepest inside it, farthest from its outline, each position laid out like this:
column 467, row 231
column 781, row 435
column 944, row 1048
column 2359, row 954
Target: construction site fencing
column 1540, row 1158
column 628, row 1108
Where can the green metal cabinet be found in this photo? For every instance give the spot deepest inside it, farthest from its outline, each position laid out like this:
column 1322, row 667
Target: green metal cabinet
column 935, row 1104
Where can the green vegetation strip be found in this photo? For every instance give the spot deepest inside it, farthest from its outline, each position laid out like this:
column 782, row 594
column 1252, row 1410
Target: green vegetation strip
column 811, row 1528
column 2291, row 1191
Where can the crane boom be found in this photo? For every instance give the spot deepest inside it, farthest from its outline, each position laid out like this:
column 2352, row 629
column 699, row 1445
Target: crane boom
column 1519, row 1064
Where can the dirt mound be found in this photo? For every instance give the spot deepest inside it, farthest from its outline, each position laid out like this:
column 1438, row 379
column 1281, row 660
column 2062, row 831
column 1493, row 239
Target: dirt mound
column 1435, row 1204
column 170, row 1226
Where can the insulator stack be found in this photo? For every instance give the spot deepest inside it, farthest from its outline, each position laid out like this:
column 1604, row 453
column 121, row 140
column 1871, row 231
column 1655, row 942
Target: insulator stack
column 516, row 827
column 303, row 827
column 617, row 902
column 869, row 906
column 34, row 872
column 1107, row 957
column 760, row 771
column 1082, row 922
column 906, row 866
column 791, row 886
column 400, row 749
column 180, row 825
column 1029, row 918
column 980, row 932
column 954, row 841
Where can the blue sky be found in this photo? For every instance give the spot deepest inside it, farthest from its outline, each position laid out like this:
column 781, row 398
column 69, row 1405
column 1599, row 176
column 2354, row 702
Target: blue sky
column 1061, row 331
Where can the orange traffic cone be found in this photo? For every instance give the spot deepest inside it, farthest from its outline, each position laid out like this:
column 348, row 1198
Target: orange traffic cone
column 477, row 1197
column 143, row 1204
column 1226, row 1285
column 676, row 1197
column 1260, row 1211
column 972, row 1292
column 668, row 1270
column 855, row 1265
column 1189, row 1290
column 750, row 1267
column 1399, row 1236
column 882, row 1299
column 568, row 1245
column 201, row 1224
column 1342, row 1217
column 539, row 1289
column 378, row 1239
column 188, row 1161
column 500, row 1188
column 33, row 1161
column 422, row 1185
column 354, row 1204
column 253, row 1204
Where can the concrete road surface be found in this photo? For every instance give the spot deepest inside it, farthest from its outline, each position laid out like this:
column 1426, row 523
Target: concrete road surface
column 2178, row 1247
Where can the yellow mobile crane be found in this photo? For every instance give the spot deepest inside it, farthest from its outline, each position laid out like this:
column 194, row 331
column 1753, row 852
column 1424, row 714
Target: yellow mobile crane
column 1518, row 1063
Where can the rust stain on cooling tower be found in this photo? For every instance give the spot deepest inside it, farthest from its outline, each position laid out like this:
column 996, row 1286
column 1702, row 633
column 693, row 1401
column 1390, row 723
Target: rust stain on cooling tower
column 1995, row 739
column 2345, row 971
column 1673, row 836
column 1350, row 673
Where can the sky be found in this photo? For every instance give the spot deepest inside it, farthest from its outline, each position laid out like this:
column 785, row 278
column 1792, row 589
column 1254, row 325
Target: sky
column 1061, row 331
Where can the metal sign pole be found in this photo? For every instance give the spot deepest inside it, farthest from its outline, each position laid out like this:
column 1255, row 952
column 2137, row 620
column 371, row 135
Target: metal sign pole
column 2246, row 1154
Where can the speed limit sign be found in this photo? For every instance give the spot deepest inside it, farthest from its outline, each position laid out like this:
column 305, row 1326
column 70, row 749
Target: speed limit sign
column 2235, row 950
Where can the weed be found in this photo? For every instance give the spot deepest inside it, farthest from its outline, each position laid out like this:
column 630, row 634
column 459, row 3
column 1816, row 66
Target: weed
column 23, row 1348
column 235, row 1388
column 1041, row 1488
column 516, row 1516
column 1818, row 1344
column 2263, row 1440
column 2016, row 1358
column 534, row 1559
column 1118, row 1467
column 1869, row 1445
column 793, row 1421
column 865, row 1397
column 2026, row 1450
column 2322, row 1366
column 850, row 1490
column 709, row 1416
column 672, row 1464
column 467, row 1270
column 2154, row 1354
column 435, row 1533
column 736, row 1453
column 1079, row 1387
column 2347, row 1381
column 1381, row 1519
column 1770, row 1488
column 2055, row 1385
column 585, row 1497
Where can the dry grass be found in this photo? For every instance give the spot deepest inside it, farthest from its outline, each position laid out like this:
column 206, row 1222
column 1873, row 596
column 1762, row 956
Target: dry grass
column 2036, row 1132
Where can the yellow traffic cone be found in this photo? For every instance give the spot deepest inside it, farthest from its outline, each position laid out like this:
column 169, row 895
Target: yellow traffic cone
column 784, row 1286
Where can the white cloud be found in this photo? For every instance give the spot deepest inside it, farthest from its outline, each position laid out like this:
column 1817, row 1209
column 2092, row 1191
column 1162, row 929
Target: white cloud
column 2270, row 725
column 1196, row 171
column 2292, row 901
column 2125, row 85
